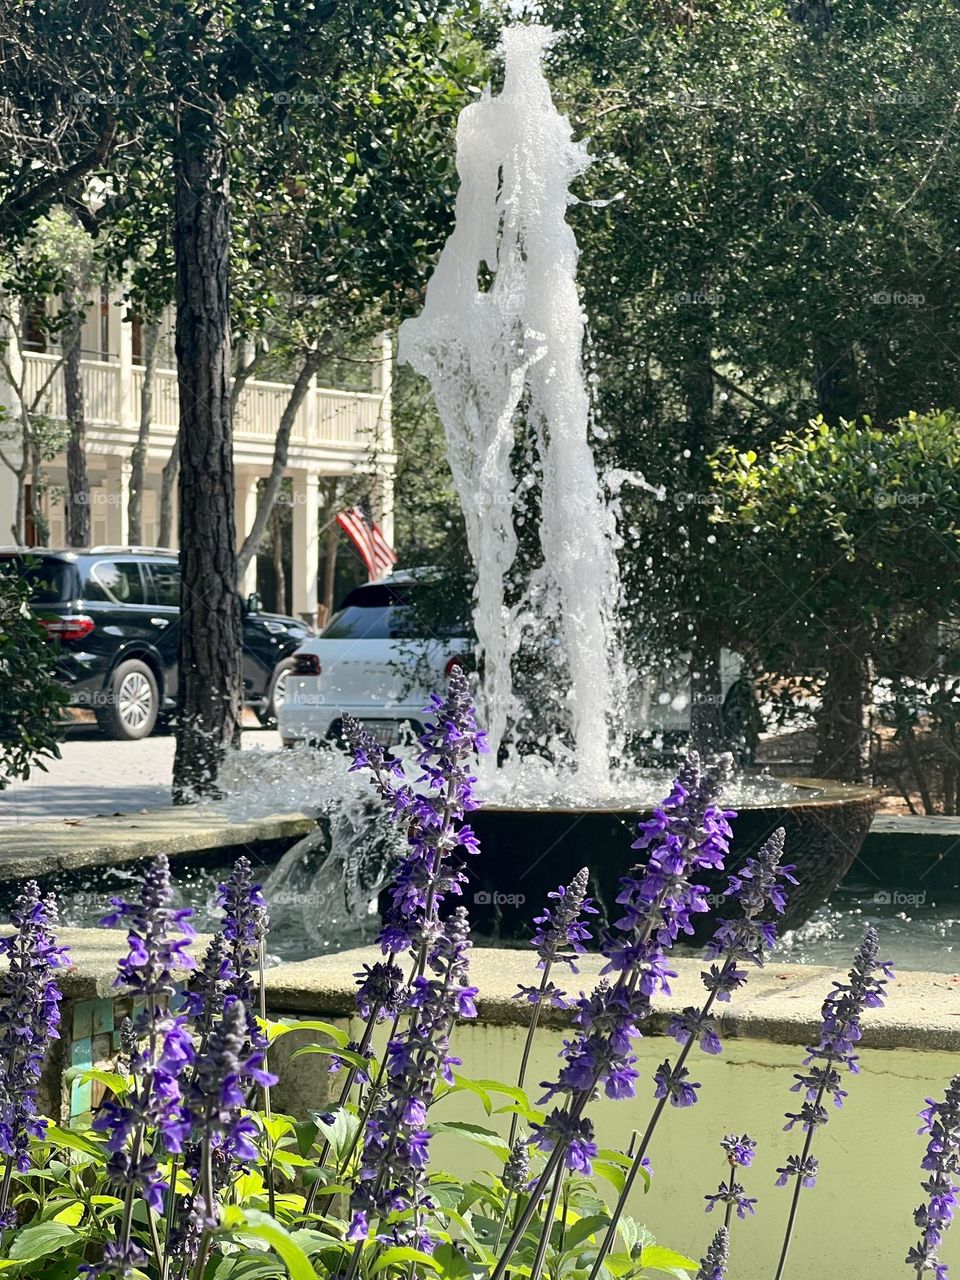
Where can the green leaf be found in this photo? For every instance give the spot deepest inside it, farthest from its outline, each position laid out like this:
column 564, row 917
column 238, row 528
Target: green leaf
column 658, row 1258
column 265, row 1228
column 341, row 1133
column 75, row 1141
column 275, row 1030
column 401, row 1255
column 453, row 1265
column 583, row 1229
column 334, row 1051
column 475, row 1133
column 41, row 1239
column 112, row 1080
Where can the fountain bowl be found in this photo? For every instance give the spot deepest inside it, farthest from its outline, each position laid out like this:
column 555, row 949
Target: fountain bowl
column 526, row 852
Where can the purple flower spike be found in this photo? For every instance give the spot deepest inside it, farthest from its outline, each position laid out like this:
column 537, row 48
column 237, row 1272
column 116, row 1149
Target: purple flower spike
column 396, row 1138
column 839, row 1034
column 216, row 1097
column 158, row 934
column 561, row 933
column 29, row 1020
column 714, row 1264
column 434, row 820
column 941, row 1162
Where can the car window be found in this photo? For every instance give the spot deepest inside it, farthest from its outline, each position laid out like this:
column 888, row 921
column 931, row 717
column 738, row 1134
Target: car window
column 378, row 622
column 163, row 583
column 49, row 581
column 121, row 580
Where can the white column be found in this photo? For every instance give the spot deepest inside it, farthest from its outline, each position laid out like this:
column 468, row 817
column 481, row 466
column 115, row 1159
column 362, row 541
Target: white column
column 8, row 397
column 8, row 502
column 385, row 461
column 245, row 511
column 306, row 541
column 383, row 382
column 116, row 495
column 128, row 414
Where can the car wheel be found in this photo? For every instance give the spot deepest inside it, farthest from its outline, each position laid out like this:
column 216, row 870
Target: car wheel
column 267, row 714
column 132, row 702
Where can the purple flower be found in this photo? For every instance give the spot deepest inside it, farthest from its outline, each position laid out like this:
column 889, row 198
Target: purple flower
column 29, row 1020
column 806, row 1169
column 714, row 1263
column 740, row 1151
column 396, row 1138
column 560, row 932
column 245, row 926
column 673, row 1083
column 941, row 1161
column 574, row 1135
column 839, row 1034
column 216, row 1097
column 380, row 990
column 158, row 934
column 119, row 1262
column 434, row 819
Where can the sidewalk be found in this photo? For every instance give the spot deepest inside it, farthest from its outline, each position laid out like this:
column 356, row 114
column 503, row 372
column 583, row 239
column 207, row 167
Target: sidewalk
column 96, row 775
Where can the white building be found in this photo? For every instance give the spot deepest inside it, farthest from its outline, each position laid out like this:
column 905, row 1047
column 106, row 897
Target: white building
column 336, row 433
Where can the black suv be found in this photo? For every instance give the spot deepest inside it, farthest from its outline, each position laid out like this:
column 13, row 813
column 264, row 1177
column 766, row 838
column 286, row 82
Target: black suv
column 115, row 613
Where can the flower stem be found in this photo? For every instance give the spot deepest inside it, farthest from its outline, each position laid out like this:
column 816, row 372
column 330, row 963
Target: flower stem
column 528, row 1046
column 547, row 1231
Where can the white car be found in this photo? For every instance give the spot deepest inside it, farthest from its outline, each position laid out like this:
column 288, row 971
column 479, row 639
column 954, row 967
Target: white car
column 372, row 662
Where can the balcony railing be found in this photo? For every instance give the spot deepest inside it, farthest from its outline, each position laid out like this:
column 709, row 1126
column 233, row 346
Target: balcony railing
column 342, row 419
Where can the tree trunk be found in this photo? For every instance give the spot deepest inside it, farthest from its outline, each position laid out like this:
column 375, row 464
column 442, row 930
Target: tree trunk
column 37, row 490
column 78, row 489
column 210, row 679
column 276, row 531
column 138, row 458
column 271, row 487
column 706, row 690
column 168, row 478
column 843, row 723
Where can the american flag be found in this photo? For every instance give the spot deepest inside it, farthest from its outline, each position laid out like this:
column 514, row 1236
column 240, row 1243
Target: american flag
column 375, row 551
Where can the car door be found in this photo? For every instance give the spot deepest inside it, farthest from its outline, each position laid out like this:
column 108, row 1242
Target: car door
column 123, row 614
column 163, row 596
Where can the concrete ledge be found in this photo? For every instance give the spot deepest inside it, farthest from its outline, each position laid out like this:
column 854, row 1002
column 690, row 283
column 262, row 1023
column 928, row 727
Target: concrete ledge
column 780, row 1004
column 44, row 848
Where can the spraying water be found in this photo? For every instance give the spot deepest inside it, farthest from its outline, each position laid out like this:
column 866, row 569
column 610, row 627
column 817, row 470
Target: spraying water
column 493, row 355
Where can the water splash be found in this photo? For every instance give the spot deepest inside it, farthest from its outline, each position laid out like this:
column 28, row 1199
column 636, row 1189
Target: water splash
column 510, row 351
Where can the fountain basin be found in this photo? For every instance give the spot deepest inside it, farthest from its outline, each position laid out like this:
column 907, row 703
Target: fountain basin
column 527, row 852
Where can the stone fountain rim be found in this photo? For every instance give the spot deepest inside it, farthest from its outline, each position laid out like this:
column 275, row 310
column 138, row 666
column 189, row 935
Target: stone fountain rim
column 828, row 792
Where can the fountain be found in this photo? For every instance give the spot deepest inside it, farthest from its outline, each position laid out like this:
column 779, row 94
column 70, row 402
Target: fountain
column 500, row 339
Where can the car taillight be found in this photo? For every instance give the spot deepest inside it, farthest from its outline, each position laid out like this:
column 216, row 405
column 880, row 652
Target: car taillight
column 72, row 628
column 306, row 664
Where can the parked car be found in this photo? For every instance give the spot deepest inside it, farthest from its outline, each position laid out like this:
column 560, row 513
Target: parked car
column 383, row 654
column 115, row 611
column 374, row 660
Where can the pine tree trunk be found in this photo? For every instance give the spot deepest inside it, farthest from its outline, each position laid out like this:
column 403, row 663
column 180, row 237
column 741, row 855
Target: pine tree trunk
column 78, row 489
column 138, row 457
column 208, row 703
column 843, row 723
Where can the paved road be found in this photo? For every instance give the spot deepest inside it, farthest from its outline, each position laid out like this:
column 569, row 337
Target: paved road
column 98, row 776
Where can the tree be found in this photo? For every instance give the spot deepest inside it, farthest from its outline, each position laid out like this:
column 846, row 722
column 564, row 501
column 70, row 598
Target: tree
column 863, row 526
column 767, row 233
column 32, row 701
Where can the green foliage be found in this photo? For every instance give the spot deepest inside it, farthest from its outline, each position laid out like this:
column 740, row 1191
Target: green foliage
column 849, row 522
column 31, row 700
